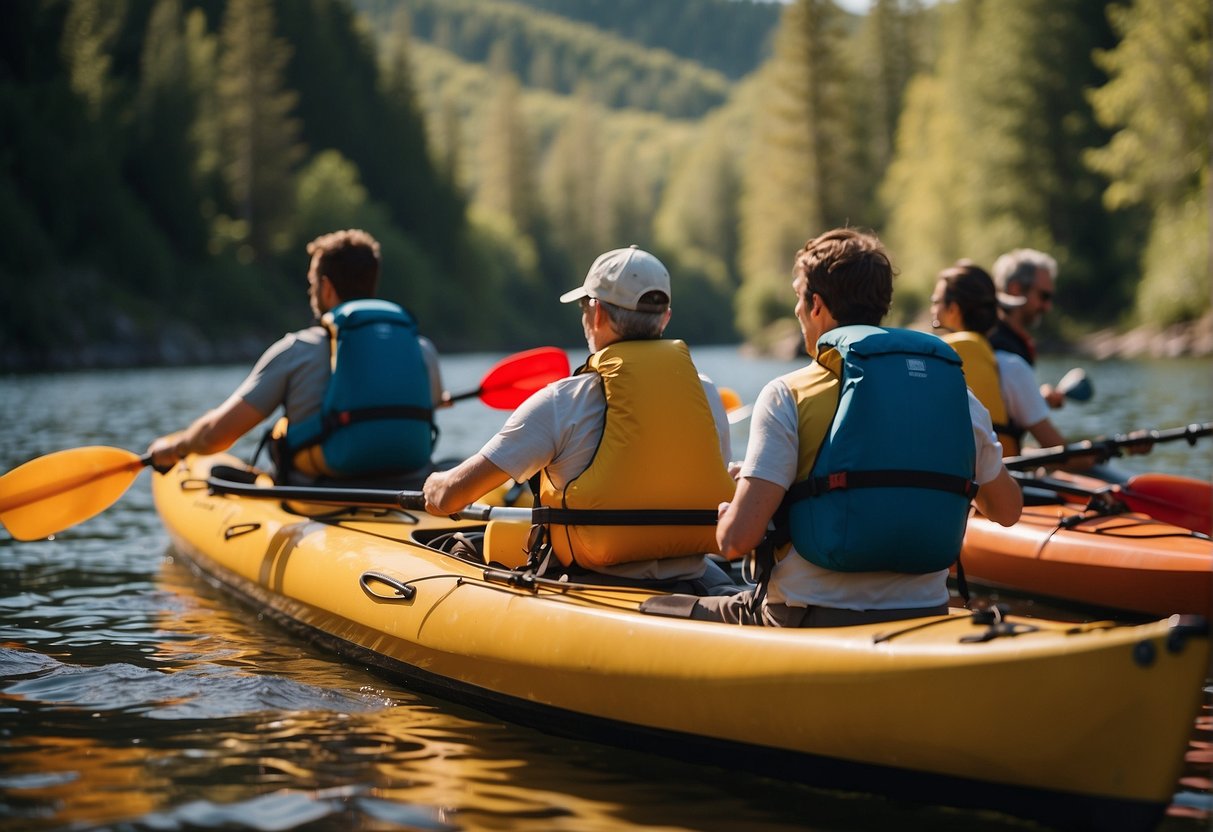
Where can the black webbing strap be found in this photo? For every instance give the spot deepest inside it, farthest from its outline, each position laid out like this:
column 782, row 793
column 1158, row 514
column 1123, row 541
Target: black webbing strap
column 341, row 418
column 816, row 486
column 625, row 517
column 333, row 422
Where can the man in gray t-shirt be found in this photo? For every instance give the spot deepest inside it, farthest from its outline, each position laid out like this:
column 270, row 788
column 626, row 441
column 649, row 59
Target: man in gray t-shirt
column 294, row 372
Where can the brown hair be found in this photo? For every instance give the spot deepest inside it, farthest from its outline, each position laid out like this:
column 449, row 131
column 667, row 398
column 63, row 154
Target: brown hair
column 971, row 288
column 350, row 260
column 851, row 272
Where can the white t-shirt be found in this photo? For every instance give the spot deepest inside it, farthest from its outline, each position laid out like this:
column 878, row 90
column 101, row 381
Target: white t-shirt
column 1020, row 392
column 559, row 429
column 772, row 455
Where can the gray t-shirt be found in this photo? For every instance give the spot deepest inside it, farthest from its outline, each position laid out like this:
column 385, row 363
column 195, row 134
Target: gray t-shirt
column 559, row 429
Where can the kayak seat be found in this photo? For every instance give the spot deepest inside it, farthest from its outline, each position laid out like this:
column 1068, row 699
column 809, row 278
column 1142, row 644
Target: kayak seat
column 230, row 473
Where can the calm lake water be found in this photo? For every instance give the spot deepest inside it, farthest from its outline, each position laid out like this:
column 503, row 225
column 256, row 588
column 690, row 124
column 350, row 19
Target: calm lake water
column 133, row 696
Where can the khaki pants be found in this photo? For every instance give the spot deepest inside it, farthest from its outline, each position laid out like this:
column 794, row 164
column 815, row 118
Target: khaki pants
column 739, row 609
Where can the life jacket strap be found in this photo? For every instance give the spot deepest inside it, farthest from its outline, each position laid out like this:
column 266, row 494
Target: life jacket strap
column 816, row 486
column 342, row 418
column 334, row 421
column 625, row 517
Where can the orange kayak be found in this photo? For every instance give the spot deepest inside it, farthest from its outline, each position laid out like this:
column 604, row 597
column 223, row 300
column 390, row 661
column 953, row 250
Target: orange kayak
column 1117, row 560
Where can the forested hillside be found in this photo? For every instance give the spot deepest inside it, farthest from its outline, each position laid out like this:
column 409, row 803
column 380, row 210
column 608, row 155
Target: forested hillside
column 730, row 36
column 167, row 160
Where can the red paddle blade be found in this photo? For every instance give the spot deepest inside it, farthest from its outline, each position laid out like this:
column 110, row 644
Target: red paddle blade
column 1180, row 501
column 514, row 379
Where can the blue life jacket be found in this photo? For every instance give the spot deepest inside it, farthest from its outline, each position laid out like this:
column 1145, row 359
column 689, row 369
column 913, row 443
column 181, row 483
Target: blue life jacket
column 890, row 487
column 377, row 416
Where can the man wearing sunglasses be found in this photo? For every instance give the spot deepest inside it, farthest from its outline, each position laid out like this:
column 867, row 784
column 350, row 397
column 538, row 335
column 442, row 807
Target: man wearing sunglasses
column 1025, row 279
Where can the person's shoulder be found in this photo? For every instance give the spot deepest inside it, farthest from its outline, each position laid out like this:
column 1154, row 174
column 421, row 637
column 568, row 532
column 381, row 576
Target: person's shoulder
column 1011, row 362
column 311, row 335
column 575, row 384
column 308, row 339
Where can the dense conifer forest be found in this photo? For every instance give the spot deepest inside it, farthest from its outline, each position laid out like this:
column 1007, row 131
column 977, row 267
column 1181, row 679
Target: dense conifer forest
column 166, row 161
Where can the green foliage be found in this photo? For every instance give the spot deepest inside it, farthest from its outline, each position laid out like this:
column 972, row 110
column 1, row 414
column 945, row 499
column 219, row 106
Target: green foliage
column 730, row 36
column 890, row 49
column 553, row 53
column 166, row 161
column 798, row 178
column 1175, row 263
column 1157, row 97
column 260, row 136
column 990, row 150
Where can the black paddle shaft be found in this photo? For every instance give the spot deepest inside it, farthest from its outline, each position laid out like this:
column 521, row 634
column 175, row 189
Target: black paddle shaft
column 1108, row 447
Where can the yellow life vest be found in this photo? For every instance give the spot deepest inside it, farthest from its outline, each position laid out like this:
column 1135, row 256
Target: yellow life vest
column 815, row 389
column 659, row 451
column 981, row 375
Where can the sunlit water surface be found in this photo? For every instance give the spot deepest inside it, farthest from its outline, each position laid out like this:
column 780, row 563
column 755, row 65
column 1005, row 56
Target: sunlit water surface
column 133, row 696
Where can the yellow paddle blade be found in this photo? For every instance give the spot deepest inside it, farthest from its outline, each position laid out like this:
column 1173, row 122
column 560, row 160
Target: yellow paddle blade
column 53, row 492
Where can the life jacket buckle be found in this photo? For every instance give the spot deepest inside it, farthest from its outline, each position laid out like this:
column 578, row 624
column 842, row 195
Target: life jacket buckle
column 837, row 480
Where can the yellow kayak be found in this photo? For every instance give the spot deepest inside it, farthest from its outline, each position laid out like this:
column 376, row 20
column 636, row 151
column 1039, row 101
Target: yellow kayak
column 1076, row 724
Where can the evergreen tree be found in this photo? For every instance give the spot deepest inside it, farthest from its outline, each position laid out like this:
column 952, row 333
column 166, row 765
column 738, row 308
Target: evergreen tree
column 163, row 162
column 797, row 181
column 260, row 134
column 1032, row 122
column 571, row 185
column 206, row 131
column 425, row 202
column 698, row 217
column 507, row 165
column 89, row 32
column 990, row 158
column 925, row 194
column 888, row 51
column 1157, row 97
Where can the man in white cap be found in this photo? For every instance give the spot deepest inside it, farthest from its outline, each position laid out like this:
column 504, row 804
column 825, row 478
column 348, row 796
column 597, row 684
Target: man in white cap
column 628, row 452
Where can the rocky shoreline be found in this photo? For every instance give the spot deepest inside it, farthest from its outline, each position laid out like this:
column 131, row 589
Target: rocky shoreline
column 1192, row 339
column 186, row 346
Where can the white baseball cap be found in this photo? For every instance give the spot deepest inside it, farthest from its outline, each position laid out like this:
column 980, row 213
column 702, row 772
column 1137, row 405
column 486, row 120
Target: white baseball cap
column 623, row 276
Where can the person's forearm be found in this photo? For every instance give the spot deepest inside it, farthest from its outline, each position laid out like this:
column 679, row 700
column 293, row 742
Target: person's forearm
column 446, row 492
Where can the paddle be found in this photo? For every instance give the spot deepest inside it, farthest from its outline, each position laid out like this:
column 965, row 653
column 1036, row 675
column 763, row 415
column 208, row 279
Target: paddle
column 1108, row 447
column 360, row 497
column 52, row 492
column 513, row 379
column 58, row 490
column 1180, row 501
column 1075, row 385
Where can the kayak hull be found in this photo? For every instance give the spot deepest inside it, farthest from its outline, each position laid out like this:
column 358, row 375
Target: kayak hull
column 934, row 709
column 1129, row 562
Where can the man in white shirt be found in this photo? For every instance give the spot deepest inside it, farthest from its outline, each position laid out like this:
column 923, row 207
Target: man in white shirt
column 841, row 279
column 561, row 431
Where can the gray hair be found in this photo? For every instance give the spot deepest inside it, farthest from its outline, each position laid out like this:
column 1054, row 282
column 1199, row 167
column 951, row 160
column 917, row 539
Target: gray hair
column 1018, row 268
column 632, row 325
